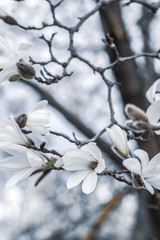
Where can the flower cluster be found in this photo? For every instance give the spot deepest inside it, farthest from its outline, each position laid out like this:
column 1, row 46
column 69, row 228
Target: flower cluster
column 145, row 173
column 141, row 121
column 24, row 160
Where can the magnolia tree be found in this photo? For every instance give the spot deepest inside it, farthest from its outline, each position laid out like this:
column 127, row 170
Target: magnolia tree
column 139, row 163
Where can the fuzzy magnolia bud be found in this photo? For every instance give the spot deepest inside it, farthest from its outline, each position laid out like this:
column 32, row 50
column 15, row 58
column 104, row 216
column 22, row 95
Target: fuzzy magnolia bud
column 21, row 120
column 8, row 19
column 135, row 113
column 141, row 125
column 25, row 70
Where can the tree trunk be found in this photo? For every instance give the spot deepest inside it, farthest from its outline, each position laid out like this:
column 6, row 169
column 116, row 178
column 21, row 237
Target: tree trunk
column 133, row 87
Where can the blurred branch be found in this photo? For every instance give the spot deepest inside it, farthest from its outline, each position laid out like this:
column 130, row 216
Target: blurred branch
column 107, row 209
column 153, row 6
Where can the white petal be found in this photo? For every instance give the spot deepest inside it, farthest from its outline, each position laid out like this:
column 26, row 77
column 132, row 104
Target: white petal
column 118, row 139
column 133, row 165
column 20, row 136
column 94, row 151
column 150, row 94
column 34, row 159
column 14, row 162
column 153, row 113
column 79, row 164
column 143, row 157
column 8, row 72
column 4, row 61
column 76, row 155
column 39, row 129
column 40, row 105
column 24, row 46
column 121, row 134
column 120, row 155
column 24, row 173
column 153, row 166
column 76, row 178
column 6, row 44
column 149, row 187
column 39, row 136
column 154, row 181
column 155, row 161
column 101, row 166
column 14, row 149
column 38, row 121
column 89, row 183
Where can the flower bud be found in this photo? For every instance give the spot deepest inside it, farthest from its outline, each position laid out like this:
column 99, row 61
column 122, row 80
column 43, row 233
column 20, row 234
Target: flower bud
column 25, row 70
column 119, row 140
column 8, row 19
column 135, row 113
column 21, row 120
column 138, row 126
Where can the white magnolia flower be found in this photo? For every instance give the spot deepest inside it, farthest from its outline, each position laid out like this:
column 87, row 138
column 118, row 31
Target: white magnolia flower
column 146, row 174
column 22, row 164
column 10, row 133
column 153, row 93
column 86, row 165
column 119, row 140
column 37, row 120
column 153, row 114
column 9, row 63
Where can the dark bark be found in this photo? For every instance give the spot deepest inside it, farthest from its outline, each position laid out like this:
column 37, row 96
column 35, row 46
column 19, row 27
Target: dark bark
column 133, row 87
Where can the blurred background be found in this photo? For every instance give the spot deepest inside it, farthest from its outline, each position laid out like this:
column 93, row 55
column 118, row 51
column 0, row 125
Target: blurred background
column 50, row 211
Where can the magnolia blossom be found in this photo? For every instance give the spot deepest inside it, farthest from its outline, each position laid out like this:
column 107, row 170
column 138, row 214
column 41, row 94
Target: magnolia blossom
column 10, row 63
column 153, row 93
column 36, row 120
column 22, row 164
column 10, row 133
column 146, row 174
column 86, row 165
column 119, row 140
column 153, row 112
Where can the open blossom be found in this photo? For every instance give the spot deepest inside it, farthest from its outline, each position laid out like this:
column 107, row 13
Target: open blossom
column 153, row 112
column 153, row 93
column 36, row 120
column 13, row 64
column 10, row 133
column 22, row 164
column 86, row 165
column 119, row 140
column 146, row 174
